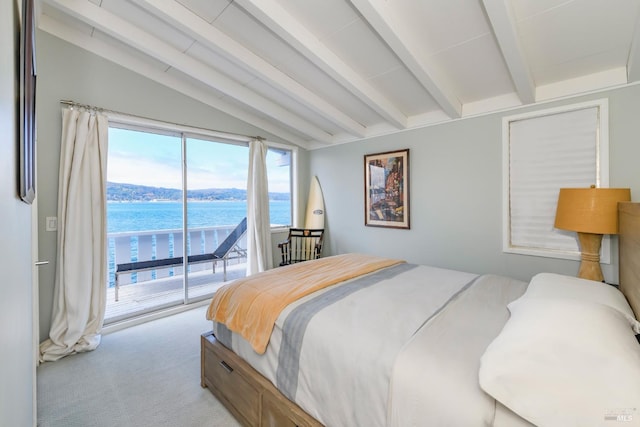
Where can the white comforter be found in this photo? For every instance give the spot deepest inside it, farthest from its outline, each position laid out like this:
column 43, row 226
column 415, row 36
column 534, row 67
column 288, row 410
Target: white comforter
column 346, row 342
column 435, row 376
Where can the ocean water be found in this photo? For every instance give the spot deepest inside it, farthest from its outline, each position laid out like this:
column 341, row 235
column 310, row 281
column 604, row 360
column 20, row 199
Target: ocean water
column 140, row 216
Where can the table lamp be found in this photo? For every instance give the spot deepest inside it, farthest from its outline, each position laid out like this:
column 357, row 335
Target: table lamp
column 591, row 212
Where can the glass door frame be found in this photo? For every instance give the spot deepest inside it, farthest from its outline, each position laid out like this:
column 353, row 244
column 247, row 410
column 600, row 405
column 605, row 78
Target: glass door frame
column 141, row 124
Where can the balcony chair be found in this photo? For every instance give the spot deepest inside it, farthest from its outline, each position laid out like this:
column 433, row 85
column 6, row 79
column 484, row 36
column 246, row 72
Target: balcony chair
column 302, row 244
column 229, row 249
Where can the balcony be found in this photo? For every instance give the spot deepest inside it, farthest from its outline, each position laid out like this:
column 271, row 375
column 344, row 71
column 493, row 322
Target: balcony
column 150, row 290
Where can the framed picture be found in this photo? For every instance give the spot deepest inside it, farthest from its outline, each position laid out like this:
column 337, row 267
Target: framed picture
column 27, row 105
column 386, row 189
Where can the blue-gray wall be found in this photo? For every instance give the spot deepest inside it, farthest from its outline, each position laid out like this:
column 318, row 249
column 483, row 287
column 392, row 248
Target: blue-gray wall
column 456, row 192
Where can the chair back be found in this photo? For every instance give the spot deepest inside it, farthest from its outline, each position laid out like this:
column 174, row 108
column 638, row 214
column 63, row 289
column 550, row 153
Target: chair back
column 302, row 244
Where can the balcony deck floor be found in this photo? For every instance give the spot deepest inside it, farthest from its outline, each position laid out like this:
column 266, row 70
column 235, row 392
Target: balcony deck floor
column 151, row 295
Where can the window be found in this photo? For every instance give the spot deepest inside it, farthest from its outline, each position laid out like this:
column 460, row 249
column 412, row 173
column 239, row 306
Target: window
column 216, row 170
column 279, row 175
column 543, row 152
column 174, row 191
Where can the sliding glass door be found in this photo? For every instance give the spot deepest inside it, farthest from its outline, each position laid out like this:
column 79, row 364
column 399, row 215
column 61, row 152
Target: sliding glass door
column 144, row 220
column 176, row 214
column 216, row 211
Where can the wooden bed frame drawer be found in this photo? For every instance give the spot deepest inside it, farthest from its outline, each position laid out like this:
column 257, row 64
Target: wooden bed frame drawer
column 249, row 396
column 225, row 379
column 273, row 415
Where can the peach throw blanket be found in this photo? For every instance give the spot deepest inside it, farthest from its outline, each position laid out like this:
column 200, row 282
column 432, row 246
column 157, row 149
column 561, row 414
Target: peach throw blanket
column 250, row 306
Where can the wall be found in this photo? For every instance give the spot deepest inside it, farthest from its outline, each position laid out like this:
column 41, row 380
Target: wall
column 16, row 312
column 67, row 72
column 456, row 192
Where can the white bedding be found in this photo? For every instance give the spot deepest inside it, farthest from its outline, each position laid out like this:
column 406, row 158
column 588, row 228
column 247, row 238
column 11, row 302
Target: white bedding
column 567, row 356
column 446, row 353
column 351, row 345
column 420, row 346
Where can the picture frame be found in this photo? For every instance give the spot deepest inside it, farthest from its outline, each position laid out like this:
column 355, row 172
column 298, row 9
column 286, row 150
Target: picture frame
column 386, row 189
column 27, row 105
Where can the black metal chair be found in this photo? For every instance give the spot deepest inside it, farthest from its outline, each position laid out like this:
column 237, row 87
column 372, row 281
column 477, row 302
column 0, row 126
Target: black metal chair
column 302, row 244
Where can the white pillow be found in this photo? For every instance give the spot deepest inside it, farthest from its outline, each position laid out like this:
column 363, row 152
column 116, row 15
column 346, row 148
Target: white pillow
column 564, row 362
column 549, row 285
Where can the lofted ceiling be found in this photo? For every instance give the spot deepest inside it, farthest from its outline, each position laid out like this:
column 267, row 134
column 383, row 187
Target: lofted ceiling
column 323, row 72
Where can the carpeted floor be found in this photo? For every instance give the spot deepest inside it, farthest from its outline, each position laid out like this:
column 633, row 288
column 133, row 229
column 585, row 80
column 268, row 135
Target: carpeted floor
column 146, row 375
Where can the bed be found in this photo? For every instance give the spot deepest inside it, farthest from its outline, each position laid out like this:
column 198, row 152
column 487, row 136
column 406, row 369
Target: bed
column 388, row 343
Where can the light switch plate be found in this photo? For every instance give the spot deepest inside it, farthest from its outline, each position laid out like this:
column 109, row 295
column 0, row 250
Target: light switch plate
column 51, row 223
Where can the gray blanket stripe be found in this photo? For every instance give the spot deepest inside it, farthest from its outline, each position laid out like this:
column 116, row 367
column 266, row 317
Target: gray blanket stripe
column 295, row 324
column 223, row 334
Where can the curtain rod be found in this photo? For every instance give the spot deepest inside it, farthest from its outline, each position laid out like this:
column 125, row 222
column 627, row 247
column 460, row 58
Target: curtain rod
column 222, row 134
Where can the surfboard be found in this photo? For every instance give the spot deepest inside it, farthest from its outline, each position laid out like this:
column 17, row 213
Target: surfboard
column 315, row 206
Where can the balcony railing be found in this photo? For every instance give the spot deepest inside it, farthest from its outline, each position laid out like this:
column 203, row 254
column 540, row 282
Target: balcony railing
column 159, row 244
column 150, row 290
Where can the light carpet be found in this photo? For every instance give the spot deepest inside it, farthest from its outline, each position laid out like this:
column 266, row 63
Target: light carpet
column 146, row 375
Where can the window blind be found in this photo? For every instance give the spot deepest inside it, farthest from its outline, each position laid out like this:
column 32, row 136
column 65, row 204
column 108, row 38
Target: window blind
column 545, row 153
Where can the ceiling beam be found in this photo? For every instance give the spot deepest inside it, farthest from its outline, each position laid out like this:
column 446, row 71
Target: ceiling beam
column 504, row 28
column 111, row 53
column 214, row 39
column 278, row 20
column 379, row 14
column 152, row 46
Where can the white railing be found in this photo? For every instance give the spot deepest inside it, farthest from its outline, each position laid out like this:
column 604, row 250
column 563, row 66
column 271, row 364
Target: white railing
column 159, row 244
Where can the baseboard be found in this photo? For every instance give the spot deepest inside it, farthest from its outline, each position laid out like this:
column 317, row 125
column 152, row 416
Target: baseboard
column 147, row 317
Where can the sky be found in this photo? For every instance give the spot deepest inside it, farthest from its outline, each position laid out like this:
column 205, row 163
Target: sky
column 154, row 160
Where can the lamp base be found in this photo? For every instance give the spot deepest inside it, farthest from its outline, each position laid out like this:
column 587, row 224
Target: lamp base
column 590, row 256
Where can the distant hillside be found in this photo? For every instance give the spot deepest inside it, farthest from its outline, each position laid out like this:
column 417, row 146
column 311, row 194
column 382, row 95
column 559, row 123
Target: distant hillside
column 140, row 193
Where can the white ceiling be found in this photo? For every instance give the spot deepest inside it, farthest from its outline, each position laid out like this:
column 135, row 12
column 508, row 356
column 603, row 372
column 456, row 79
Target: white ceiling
column 322, row 72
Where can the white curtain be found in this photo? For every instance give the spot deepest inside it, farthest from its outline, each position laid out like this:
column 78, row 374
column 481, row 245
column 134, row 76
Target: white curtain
column 259, row 257
column 81, row 265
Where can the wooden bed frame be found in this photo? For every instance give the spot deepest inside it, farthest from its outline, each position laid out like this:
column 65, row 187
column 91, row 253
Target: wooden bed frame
column 256, row 402
column 250, row 397
column 629, row 253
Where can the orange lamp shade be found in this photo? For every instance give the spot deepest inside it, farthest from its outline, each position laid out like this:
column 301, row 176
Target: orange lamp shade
column 590, row 210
